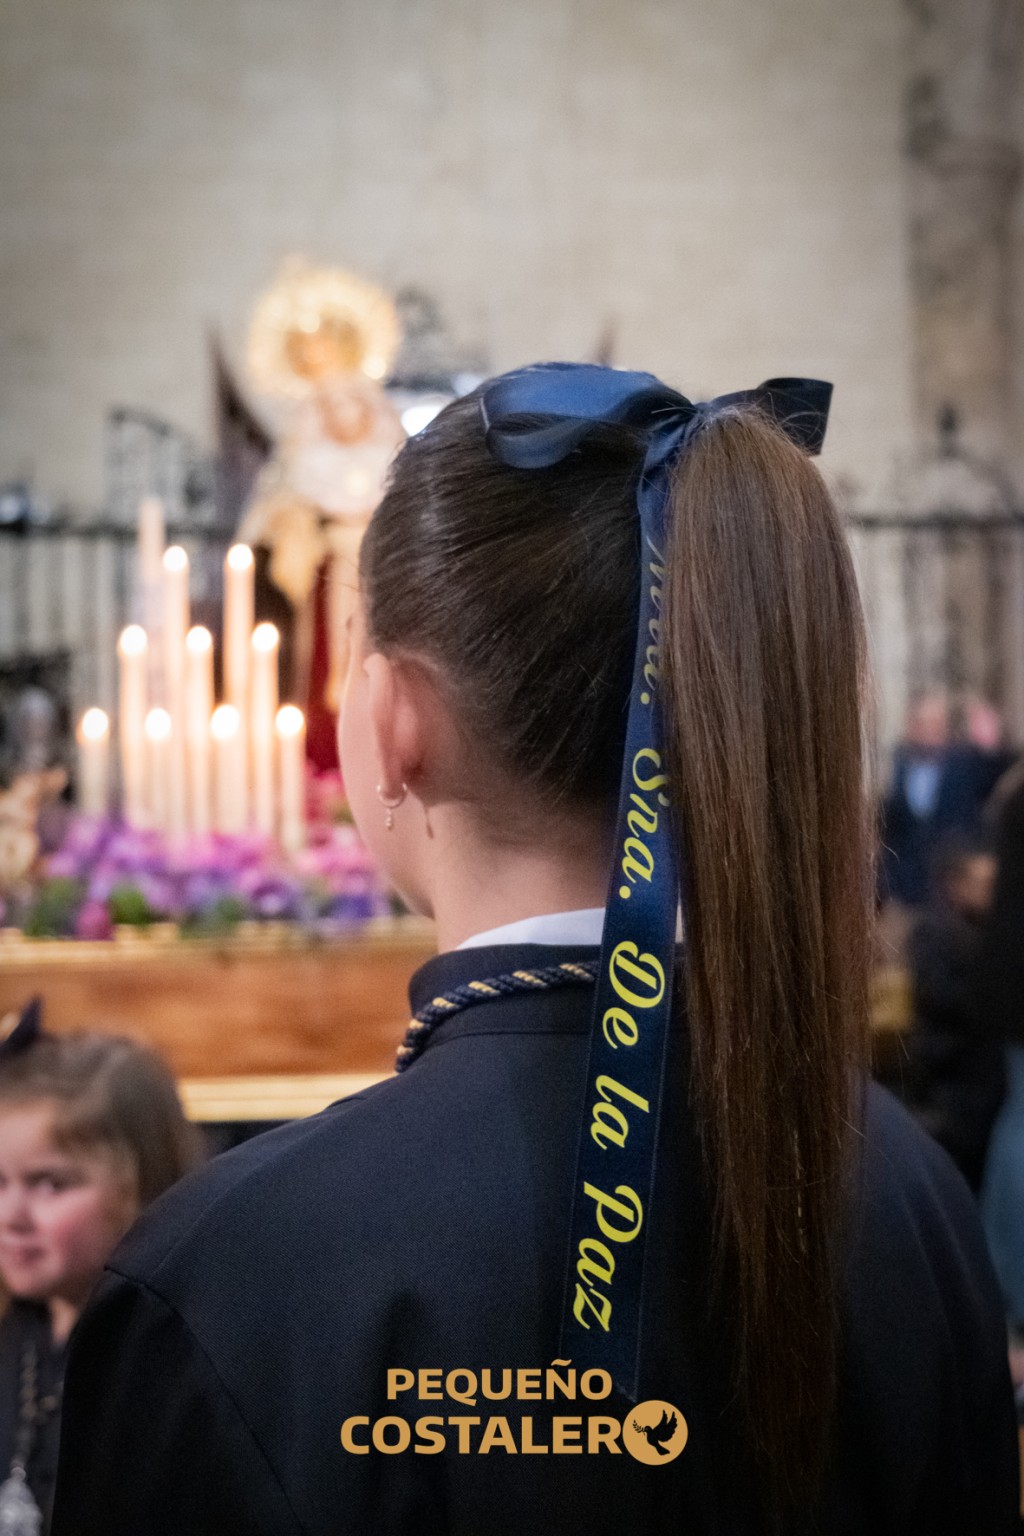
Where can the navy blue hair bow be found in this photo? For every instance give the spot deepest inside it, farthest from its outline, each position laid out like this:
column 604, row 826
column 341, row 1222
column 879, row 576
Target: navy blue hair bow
column 575, row 397
column 533, row 419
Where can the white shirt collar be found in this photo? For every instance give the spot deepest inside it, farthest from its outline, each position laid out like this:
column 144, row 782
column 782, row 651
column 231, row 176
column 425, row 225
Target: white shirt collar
column 583, row 927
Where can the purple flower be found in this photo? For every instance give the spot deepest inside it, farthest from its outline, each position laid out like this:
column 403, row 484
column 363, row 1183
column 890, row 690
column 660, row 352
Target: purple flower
column 207, row 855
column 276, row 899
column 202, row 890
column 86, row 835
column 273, row 894
column 103, row 880
column 332, row 883
column 338, row 859
column 252, row 849
column 134, row 851
column 83, row 844
column 65, row 865
column 360, row 905
column 159, row 893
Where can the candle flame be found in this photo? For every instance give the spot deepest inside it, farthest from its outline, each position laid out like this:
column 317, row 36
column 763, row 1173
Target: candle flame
column 175, row 559
column 265, row 637
column 134, row 641
column 289, row 721
column 158, row 725
column 239, row 557
column 199, row 640
column 94, row 725
column 225, row 722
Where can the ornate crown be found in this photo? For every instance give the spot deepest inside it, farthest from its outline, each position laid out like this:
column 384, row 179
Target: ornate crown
column 317, row 324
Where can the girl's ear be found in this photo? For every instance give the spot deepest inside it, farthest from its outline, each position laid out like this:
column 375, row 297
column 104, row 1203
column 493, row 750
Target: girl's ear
column 398, row 713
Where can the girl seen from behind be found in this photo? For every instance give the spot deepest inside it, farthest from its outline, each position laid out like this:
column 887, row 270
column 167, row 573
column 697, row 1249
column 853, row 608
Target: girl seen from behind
column 808, row 1292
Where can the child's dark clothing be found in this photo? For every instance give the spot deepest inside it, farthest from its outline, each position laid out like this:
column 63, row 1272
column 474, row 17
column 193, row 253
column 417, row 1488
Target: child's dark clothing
column 26, row 1324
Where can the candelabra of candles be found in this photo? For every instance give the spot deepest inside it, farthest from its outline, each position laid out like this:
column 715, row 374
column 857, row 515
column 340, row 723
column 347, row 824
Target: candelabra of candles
column 188, row 767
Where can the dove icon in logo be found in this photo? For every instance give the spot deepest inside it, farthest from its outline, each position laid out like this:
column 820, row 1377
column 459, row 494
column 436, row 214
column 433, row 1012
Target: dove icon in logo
column 654, row 1432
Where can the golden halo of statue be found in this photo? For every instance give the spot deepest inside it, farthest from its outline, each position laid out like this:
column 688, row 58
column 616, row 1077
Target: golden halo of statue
column 317, row 324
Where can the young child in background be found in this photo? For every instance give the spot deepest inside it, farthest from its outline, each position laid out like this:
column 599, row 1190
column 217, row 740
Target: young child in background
column 91, row 1131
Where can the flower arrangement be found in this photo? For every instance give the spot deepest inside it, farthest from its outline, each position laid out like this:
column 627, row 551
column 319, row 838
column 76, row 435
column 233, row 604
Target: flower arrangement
column 106, row 876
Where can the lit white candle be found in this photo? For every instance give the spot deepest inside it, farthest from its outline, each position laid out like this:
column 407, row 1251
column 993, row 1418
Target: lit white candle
column 94, row 763
column 264, row 695
column 198, row 710
column 176, row 615
column 291, row 737
column 151, row 540
column 239, row 573
column 229, row 769
column 132, row 650
column 158, row 744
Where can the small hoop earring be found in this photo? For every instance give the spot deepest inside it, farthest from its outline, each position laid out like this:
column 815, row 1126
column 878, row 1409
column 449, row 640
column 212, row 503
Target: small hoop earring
column 391, row 806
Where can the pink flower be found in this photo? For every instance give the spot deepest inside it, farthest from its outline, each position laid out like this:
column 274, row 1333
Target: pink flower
column 93, row 922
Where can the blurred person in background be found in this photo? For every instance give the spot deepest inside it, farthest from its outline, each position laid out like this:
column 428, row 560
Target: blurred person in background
column 91, row 1131
column 1003, row 984
column 955, row 1079
column 984, row 730
column 939, row 786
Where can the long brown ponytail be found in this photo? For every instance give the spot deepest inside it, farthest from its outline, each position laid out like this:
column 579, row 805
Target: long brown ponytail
column 763, row 643
column 764, row 657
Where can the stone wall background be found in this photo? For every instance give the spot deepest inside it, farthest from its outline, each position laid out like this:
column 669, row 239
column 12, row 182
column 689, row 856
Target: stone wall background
column 963, row 142
column 721, row 185
column 1017, row 313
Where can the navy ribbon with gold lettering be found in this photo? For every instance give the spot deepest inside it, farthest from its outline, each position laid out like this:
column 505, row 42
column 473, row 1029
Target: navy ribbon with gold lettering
column 535, row 418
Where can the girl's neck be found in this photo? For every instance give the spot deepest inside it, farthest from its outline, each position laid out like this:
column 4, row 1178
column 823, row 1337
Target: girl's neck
column 477, row 883
column 63, row 1317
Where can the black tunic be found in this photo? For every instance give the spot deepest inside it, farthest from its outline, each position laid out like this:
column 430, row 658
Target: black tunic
column 423, row 1225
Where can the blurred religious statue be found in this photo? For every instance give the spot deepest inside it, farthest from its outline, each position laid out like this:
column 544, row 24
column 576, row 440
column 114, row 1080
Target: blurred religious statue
column 35, row 785
column 320, row 344
column 23, row 809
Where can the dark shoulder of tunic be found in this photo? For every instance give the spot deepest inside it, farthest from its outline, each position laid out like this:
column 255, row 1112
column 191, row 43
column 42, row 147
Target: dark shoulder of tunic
column 424, row 1225
column 28, row 1322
